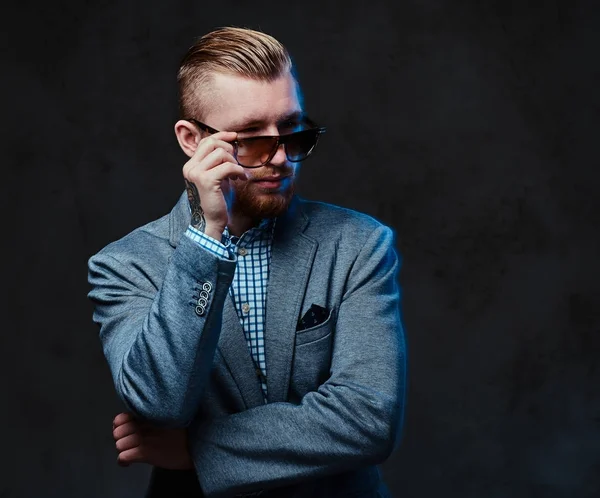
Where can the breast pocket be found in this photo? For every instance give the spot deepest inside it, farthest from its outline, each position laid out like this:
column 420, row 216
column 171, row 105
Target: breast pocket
column 315, row 333
column 312, row 358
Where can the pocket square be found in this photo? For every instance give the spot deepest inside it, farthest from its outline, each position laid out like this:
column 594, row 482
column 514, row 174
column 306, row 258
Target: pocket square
column 314, row 316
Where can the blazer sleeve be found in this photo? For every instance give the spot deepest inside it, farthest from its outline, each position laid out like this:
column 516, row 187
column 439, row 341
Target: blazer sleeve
column 353, row 420
column 158, row 342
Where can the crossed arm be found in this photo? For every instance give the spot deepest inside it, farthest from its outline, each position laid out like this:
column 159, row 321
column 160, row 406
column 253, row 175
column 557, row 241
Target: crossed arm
column 352, row 420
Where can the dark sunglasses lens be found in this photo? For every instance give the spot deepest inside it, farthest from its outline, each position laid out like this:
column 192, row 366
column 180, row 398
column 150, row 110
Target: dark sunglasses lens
column 301, row 144
column 253, row 152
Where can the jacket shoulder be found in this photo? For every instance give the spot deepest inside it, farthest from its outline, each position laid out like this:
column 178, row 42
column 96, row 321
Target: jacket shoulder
column 339, row 221
column 148, row 245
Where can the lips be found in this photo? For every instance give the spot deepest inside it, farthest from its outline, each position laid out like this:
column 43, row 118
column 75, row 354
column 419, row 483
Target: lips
column 270, row 181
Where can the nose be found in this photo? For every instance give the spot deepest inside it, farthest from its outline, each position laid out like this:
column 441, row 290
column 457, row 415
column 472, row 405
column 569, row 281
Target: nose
column 279, row 158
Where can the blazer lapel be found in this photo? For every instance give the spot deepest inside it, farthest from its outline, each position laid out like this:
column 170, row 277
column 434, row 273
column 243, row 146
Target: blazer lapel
column 291, row 261
column 235, row 352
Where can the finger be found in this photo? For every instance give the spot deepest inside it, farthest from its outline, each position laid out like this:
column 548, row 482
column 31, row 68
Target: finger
column 134, row 455
column 224, row 171
column 203, row 150
column 215, row 158
column 127, row 429
column 122, row 418
column 224, row 136
column 208, row 144
column 129, row 442
column 218, row 156
column 193, row 170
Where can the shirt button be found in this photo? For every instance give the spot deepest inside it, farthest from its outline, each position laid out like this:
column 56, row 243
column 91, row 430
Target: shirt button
column 242, row 251
column 245, row 307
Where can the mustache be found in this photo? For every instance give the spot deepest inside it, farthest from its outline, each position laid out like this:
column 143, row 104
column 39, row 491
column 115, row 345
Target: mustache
column 280, row 172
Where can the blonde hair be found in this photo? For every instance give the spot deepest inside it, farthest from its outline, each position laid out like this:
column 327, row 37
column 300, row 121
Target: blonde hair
column 229, row 50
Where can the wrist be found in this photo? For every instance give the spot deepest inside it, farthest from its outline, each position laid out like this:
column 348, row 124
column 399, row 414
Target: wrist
column 214, row 231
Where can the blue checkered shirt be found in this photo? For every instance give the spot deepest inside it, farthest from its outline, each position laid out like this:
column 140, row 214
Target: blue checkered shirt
column 249, row 287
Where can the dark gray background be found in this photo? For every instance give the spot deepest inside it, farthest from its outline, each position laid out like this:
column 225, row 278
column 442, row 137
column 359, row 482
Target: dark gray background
column 468, row 126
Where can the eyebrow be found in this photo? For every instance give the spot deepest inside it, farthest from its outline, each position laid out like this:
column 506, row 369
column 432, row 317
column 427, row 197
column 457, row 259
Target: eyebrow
column 250, row 123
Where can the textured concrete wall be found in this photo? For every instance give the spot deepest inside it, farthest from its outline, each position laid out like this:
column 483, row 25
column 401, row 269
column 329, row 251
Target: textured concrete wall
column 469, row 126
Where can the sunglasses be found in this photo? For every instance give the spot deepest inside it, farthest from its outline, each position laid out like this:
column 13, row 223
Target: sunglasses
column 254, row 152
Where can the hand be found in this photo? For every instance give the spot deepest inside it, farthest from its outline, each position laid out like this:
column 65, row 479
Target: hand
column 140, row 442
column 207, row 175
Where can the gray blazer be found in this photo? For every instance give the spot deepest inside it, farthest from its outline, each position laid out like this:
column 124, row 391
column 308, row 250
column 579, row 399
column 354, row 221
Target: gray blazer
column 336, row 391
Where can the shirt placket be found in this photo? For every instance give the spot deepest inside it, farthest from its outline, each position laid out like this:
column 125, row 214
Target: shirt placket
column 246, row 247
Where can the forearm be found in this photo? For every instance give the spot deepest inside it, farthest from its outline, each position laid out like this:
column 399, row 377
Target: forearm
column 159, row 348
column 336, row 429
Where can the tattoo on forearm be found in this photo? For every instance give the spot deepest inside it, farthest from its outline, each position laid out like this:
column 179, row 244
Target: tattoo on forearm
column 198, row 220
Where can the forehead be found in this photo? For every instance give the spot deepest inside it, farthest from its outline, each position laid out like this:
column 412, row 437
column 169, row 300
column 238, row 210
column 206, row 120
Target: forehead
column 236, row 100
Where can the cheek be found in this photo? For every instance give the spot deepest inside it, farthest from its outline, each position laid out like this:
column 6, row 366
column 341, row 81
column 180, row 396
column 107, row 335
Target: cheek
column 243, row 189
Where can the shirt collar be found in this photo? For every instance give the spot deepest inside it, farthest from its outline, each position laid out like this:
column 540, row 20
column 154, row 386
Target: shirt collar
column 265, row 227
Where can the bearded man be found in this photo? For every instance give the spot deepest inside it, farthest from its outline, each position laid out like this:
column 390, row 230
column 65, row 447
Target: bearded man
column 254, row 337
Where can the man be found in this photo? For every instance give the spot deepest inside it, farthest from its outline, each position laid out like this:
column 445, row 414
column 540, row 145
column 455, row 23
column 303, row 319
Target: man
column 254, row 337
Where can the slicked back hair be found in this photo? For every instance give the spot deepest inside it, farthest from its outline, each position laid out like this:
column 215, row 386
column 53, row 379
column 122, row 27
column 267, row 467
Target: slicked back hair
column 230, row 50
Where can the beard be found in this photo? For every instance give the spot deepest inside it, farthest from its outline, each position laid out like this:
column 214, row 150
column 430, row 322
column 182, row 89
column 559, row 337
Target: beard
column 250, row 200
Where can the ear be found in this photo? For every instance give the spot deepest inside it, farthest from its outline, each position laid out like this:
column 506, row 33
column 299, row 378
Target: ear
column 188, row 136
